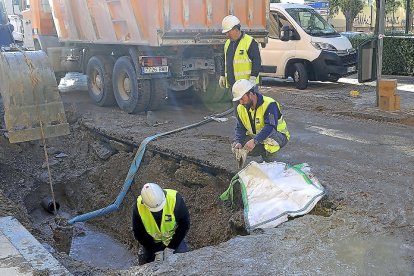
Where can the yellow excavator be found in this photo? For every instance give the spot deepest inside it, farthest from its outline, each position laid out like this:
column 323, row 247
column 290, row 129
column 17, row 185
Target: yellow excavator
column 33, row 108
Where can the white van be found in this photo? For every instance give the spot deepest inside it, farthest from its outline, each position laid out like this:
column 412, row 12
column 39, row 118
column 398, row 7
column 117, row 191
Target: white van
column 304, row 46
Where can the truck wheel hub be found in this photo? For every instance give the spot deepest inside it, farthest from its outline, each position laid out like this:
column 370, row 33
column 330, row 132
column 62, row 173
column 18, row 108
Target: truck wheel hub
column 127, row 85
column 98, row 81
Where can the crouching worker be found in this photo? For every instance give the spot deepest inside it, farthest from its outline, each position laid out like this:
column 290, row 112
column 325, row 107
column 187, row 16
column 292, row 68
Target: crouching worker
column 160, row 221
column 261, row 128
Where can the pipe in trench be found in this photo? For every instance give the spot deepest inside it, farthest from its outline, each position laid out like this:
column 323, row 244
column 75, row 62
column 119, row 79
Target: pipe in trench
column 134, row 168
column 47, row 204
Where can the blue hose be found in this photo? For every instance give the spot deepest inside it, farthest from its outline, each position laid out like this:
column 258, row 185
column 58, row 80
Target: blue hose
column 133, row 170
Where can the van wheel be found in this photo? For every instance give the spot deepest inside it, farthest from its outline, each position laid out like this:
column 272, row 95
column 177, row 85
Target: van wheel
column 300, row 76
column 131, row 94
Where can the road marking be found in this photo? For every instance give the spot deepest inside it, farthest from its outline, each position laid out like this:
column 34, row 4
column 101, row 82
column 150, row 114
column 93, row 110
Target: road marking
column 337, row 134
column 341, row 135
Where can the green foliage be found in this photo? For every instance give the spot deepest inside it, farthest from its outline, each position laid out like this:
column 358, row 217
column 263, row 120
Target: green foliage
column 333, row 8
column 350, row 9
column 404, row 2
column 392, row 6
column 274, row 1
column 398, row 58
column 398, row 54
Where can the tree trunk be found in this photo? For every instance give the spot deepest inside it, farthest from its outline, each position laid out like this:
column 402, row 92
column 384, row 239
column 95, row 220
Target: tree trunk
column 377, row 3
column 348, row 21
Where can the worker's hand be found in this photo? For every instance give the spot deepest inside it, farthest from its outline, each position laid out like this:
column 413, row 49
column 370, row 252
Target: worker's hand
column 168, row 254
column 249, row 146
column 222, row 82
column 159, row 256
column 252, row 79
column 235, row 145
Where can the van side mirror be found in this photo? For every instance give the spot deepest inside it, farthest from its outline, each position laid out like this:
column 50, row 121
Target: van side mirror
column 285, row 33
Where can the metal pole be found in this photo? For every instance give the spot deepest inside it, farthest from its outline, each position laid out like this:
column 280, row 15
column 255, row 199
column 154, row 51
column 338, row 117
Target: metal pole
column 381, row 31
column 408, row 17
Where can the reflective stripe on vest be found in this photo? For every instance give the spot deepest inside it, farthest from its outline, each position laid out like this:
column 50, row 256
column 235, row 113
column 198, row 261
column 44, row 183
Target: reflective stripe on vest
column 168, row 223
column 269, row 144
column 242, row 65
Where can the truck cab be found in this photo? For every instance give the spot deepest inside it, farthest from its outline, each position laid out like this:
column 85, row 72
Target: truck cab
column 304, row 46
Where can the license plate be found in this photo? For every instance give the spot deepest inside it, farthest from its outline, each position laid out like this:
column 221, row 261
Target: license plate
column 155, row 69
column 351, row 69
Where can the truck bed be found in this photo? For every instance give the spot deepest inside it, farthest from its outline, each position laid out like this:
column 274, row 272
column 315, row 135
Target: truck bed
column 155, row 22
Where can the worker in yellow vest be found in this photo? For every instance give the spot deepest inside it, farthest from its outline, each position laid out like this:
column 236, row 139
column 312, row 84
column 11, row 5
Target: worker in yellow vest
column 261, row 128
column 160, row 222
column 241, row 54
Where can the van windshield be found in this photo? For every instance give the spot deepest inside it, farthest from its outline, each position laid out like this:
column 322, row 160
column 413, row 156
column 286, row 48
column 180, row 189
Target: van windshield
column 312, row 22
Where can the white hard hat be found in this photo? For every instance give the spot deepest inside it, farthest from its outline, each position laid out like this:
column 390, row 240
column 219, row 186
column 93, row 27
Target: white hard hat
column 240, row 88
column 229, row 22
column 153, row 197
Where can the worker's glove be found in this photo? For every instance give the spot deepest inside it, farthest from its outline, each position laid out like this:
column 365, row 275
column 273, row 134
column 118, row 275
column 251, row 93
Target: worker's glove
column 240, row 154
column 159, row 256
column 235, row 146
column 169, row 254
column 222, row 82
column 252, row 79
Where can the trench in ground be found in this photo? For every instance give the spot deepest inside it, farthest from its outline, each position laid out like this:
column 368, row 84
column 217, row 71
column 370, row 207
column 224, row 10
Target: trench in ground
column 86, row 183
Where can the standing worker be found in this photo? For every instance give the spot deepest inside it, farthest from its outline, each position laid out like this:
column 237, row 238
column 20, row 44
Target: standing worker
column 261, row 129
column 160, row 221
column 241, row 54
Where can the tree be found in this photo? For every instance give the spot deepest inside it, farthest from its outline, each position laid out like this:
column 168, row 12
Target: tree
column 333, row 8
column 274, row 1
column 410, row 17
column 391, row 6
column 350, row 9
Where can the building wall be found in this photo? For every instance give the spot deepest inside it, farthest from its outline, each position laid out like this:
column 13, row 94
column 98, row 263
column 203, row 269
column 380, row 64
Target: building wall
column 363, row 20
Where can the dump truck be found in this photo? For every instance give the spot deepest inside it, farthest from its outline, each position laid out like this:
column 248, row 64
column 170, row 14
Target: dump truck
column 32, row 105
column 134, row 51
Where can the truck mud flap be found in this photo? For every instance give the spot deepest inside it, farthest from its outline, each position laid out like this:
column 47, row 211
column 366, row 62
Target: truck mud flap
column 33, row 107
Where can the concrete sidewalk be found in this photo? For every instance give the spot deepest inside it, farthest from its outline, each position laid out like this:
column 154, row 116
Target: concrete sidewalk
column 22, row 254
column 405, row 83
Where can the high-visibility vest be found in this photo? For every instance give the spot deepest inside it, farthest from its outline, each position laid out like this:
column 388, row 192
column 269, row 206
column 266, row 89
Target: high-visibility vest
column 242, row 65
column 270, row 145
column 165, row 233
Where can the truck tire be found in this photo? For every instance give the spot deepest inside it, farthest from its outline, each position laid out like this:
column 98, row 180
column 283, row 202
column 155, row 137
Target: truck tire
column 300, row 76
column 158, row 94
column 99, row 72
column 131, row 94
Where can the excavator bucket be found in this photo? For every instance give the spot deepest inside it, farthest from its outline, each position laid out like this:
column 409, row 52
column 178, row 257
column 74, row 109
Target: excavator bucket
column 33, row 107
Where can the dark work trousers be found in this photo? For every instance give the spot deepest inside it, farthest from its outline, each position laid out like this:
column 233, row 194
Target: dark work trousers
column 146, row 256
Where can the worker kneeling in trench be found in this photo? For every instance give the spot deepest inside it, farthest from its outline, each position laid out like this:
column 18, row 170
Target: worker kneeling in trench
column 160, row 221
